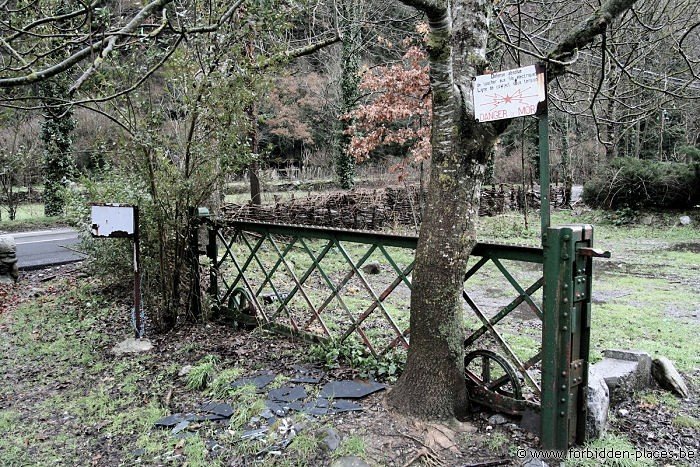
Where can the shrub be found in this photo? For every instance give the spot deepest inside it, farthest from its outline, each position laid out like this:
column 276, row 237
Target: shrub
column 638, row 183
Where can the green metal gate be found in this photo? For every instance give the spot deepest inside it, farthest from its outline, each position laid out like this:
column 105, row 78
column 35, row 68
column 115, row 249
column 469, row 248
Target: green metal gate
column 312, row 282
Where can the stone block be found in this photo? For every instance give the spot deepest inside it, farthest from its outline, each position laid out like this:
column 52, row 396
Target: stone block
column 598, row 403
column 624, row 371
column 668, row 377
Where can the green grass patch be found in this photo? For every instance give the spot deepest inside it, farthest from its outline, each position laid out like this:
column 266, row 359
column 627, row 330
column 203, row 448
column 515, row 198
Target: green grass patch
column 686, row 421
column 622, row 450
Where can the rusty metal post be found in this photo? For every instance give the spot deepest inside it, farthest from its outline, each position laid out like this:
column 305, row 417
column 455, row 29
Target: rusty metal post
column 566, row 334
column 138, row 322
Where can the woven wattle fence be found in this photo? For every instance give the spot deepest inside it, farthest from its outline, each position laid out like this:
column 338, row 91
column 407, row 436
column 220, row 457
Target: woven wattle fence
column 374, row 209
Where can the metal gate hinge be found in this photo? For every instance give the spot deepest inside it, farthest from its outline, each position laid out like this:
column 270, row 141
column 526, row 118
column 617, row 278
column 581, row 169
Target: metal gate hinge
column 576, row 372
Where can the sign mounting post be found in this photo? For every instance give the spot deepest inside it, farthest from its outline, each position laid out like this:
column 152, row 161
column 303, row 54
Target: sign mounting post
column 517, row 93
column 113, row 220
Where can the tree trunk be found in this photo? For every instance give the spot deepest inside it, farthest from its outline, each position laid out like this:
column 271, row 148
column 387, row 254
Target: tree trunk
column 432, row 384
column 349, row 90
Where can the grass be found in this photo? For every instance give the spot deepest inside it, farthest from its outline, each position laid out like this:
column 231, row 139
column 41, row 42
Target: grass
column 28, row 217
column 202, row 373
column 89, row 397
column 686, row 421
column 622, row 449
column 354, row 445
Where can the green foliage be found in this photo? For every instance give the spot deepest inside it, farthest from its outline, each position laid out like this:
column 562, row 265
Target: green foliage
column 221, row 385
column 351, row 446
column 304, row 446
column 202, row 373
column 638, row 183
column 691, row 153
column 355, row 354
column 56, row 131
column 623, row 216
column 611, row 443
column 686, row 421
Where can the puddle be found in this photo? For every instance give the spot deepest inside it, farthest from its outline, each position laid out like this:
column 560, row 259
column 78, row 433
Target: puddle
column 690, row 247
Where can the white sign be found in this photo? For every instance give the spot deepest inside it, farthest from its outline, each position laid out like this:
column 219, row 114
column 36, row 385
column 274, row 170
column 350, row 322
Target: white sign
column 508, row 94
column 112, row 220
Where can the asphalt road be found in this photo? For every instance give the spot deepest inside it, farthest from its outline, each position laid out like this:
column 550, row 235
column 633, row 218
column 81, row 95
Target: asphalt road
column 46, row 248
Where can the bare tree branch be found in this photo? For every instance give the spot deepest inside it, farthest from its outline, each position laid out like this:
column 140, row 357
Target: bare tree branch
column 107, row 42
column 586, row 32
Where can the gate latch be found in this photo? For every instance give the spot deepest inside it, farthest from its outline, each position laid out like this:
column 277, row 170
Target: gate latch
column 593, row 253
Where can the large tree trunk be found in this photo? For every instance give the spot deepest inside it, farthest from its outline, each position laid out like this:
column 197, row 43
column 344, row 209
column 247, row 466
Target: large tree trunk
column 432, row 385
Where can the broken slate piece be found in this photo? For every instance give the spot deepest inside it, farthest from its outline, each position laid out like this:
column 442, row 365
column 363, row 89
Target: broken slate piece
column 170, row 421
column 287, row 394
column 322, row 406
column 306, row 375
column 180, row 427
column 350, row 389
column 218, row 408
column 278, row 410
column 254, row 434
column 340, row 406
column 259, row 381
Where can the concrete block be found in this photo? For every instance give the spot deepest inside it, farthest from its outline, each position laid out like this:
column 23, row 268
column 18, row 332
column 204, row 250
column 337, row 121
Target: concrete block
column 624, row 371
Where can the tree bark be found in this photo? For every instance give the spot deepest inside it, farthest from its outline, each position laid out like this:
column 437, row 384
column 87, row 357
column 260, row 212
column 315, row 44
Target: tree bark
column 432, row 384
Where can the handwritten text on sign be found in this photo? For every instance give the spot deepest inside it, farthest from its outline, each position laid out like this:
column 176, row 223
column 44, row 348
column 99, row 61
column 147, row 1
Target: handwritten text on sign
column 508, row 94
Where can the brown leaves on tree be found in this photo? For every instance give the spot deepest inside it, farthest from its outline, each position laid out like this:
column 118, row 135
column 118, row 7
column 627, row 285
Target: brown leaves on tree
column 399, row 111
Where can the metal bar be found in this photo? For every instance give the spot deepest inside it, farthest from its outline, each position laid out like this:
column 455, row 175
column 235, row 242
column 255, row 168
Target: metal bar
column 334, row 293
column 349, row 275
column 503, row 344
column 268, row 276
column 227, row 246
column 526, row 254
column 473, row 270
column 371, row 291
column 556, row 339
column 515, row 252
column 396, row 340
column 503, row 312
column 262, row 268
column 137, row 277
column 397, row 269
column 252, row 254
column 354, row 236
column 301, row 287
column 544, row 170
column 241, row 276
column 212, row 253
column 401, row 336
column 519, row 289
column 304, row 277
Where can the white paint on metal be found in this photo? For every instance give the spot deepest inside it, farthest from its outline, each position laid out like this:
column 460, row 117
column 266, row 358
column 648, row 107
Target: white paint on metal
column 508, row 94
column 112, row 220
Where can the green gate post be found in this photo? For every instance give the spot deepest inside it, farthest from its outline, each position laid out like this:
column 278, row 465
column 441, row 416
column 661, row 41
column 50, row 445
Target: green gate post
column 568, row 257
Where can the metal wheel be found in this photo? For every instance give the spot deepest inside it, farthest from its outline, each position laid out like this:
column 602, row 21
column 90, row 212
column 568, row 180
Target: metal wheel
column 491, row 380
column 241, row 308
